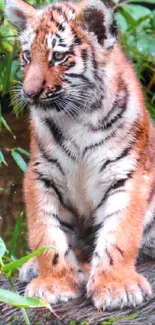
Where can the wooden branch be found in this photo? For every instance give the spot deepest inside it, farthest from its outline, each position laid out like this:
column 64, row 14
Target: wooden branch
column 81, row 310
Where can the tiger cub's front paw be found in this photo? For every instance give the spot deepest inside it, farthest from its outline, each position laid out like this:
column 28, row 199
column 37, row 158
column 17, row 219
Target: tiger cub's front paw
column 115, row 292
column 55, row 289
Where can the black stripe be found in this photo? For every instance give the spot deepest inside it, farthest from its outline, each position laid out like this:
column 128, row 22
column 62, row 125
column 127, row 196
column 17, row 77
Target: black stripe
column 119, row 250
column 84, row 56
column 92, row 146
column 49, row 159
column 60, row 28
column 120, row 183
column 105, row 123
column 50, row 184
column 124, row 153
column 67, row 251
column 111, row 135
column 58, row 136
column 37, row 163
column 55, row 259
column 111, row 262
column 96, row 255
column 95, row 66
column 77, row 40
column 70, row 65
column 66, row 224
column 60, row 11
column 63, row 223
column 151, row 194
column 56, row 132
column 114, row 119
column 80, row 76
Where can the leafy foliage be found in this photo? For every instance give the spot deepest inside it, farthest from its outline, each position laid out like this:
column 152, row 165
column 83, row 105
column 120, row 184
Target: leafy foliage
column 13, row 298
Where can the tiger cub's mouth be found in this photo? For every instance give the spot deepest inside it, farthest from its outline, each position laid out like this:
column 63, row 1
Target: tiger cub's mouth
column 46, row 100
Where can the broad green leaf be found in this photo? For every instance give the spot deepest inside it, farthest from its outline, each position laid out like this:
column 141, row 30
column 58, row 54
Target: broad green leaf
column 16, row 233
column 19, row 160
column 2, row 247
column 12, row 266
column 7, row 126
column 2, row 159
column 23, row 151
column 146, row 45
column 14, row 299
column 136, row 11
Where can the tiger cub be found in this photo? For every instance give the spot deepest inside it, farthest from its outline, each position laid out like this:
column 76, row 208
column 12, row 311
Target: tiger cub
column 89, row 187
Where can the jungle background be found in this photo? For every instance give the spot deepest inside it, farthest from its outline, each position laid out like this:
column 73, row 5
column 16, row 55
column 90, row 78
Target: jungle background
column 136, row 24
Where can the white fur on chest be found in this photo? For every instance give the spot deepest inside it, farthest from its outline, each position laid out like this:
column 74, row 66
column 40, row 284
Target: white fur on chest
column 83, row 185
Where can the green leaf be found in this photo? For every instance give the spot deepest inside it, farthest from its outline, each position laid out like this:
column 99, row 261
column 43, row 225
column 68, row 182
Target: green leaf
column 2, row 159
column 136, row 11
column 23, row 151
column 12, row 266
column 17, row 300
column 127, row 16
column 16, row 233
column 2, row 247
column 3, row 121
column 19, row 160
column 143, row 1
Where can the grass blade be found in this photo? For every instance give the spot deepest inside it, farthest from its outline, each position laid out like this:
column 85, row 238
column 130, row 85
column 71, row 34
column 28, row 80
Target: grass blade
column 12, row 266
column 16, row 233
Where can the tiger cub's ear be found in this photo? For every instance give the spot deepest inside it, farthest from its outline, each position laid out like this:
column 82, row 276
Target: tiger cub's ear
column 99, row 20
column 18, row 13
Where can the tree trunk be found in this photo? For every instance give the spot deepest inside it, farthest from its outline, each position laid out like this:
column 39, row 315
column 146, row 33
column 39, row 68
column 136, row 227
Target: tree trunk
column 81, row 310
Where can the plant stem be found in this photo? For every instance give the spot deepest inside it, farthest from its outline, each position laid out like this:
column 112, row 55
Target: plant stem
column 22, row 309
column 25, row 316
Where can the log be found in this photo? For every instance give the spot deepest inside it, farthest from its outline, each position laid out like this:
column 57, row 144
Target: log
column 81, row 310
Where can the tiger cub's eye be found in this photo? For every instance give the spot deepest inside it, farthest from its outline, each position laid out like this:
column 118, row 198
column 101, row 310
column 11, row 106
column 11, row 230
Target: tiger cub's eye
column 58, row 56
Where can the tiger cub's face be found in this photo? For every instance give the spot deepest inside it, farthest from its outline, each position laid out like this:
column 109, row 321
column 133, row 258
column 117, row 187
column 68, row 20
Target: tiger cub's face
column 63, row 45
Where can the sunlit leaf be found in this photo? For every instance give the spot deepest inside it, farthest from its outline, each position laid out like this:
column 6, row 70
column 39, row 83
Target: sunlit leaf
column 7, row 126
column 23, row 151
column 2, row 159
column 19, row 160
column 17, row 300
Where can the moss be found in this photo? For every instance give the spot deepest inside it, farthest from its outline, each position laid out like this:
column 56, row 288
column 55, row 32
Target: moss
column 131, row 316
column 109, row 321
column 113, row 320
column 81, row 323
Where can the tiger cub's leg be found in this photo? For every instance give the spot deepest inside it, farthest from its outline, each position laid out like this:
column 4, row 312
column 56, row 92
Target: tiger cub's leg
column 60, row 276
column 113, row 281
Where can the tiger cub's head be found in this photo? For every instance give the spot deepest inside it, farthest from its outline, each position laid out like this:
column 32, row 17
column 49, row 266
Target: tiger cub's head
column 64, row 46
